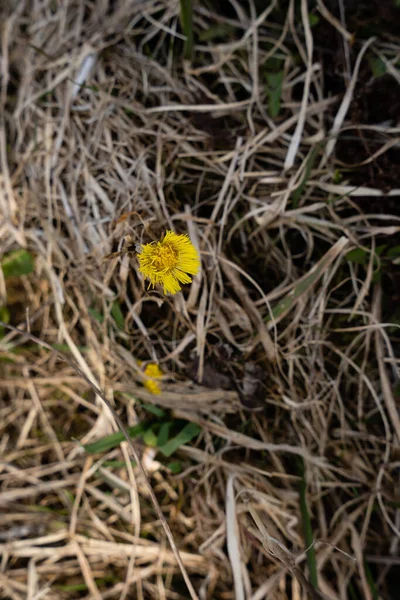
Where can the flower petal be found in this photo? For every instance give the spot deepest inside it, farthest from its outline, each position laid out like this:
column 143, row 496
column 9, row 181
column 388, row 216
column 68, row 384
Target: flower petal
column 171, row 284
column 181, row 276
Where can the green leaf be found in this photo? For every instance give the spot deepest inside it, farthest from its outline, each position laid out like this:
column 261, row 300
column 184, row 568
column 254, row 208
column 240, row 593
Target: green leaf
column 76, row 587
column 371, row 582
column 114, row 439
column 393, row 252
column 96, row 315
column 115, row 312
column 187, row 26
column 358, row 256
column 313, row 19
column 337, row 176
column 150, row 437
column 82, row 587
column 274, row 92
column 5, row 317
column 376, row 276
column 17, row 263
column 64, row 348
column 221, row 30
column 396, row 389
column 377, row 65
column 117, row 315
column 154, row 410
column 306, row 176
column 189, row 431
column 117, row 464
column 362, row 257
column 163, row 434
column 175, row 467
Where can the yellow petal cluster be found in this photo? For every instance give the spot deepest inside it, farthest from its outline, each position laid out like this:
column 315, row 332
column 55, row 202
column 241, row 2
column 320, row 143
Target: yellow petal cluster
column 153, row 372
column 169, row 261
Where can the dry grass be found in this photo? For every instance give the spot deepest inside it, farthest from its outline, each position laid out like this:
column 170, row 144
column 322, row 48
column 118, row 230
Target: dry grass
column 282, row 351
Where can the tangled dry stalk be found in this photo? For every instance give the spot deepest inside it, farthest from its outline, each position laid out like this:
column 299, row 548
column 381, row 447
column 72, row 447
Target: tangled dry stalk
column 283, row 351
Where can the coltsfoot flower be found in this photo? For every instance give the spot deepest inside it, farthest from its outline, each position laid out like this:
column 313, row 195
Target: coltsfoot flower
column 169, row 261
column 153, row 372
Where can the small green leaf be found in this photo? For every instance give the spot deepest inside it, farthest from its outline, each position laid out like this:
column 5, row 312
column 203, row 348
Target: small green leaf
column 17, row 263
column 76, row 587
column 362, row 257
column 274, row 92
column 377, row 65
column 313, row 19
column 337, row 176
column 393, row 252
column 371, row 582
column 175, row 467
column 66, row 348
column 163, row 434
column 189, row 431
column 5, row 317
column 154, row 410
column 187, row 26
column 358, row 256
column 221, row 30
column 306, row 176
column 150, row 438
column 96, row 315
column 117, row 315
column 111, row 441
column 376, row 276
column 117, row 464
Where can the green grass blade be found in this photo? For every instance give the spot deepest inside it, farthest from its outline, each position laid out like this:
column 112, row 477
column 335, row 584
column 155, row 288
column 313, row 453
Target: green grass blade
column 117, row 315
column 274, row 92
column 189, row 431
column 306, row 176
column 111, row 441
column 187, row 26
column 154, row 410
column 307, row 527
column 371, row 582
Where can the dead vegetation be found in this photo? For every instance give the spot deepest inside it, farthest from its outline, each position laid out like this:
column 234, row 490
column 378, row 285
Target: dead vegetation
column 280, row 361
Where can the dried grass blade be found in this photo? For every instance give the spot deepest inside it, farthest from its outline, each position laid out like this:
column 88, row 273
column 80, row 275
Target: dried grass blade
column 307, row 528
column 252, row 310
column 246, row 441
column 305, row 283
column 295, row 142
column 344, row 107
column 233, row 541
column 385, row 383
column 131, row 447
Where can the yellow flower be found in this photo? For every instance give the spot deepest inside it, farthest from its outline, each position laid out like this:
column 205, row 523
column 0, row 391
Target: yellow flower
column 153, row 372
column 169, row 261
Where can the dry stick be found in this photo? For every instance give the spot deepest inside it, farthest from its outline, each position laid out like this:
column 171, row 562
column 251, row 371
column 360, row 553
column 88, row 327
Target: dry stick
column 132, row 448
